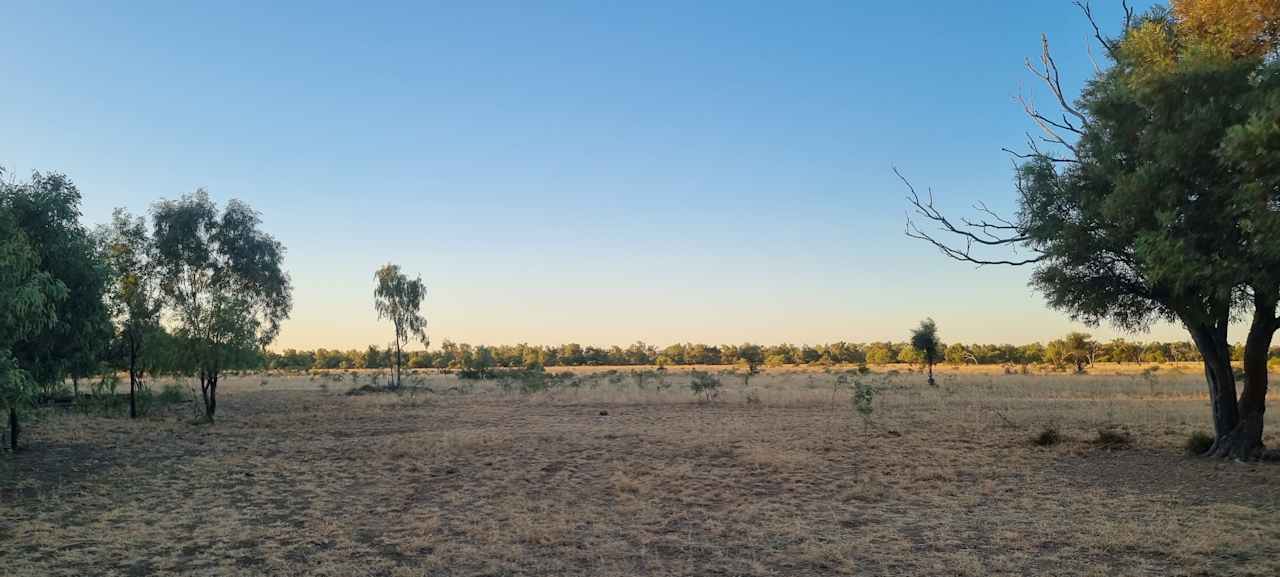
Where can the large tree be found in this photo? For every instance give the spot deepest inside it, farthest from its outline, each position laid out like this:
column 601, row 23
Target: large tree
column 1157, row 195
column 398, row 298
column 224, row 279
column 46, row 209
column 133, row 295
column 29, row 297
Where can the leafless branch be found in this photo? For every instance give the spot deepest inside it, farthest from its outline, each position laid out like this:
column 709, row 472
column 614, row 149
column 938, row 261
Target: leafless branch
column 1097, row 30
column 1053, row 79
column 980, row 232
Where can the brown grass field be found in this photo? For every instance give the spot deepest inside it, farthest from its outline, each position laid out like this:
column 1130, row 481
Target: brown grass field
column 603, row 478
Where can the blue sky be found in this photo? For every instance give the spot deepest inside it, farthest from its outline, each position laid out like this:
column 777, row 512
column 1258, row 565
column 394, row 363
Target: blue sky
column 598, row 172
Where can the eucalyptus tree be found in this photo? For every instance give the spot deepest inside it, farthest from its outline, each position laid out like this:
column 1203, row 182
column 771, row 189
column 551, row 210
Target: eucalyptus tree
column 29, row 297
column 133, row 296
column 46, row 208
column 1155, row 194
column 1080, row 348
column 399, row 299
column 924, row 339
column 223, row 279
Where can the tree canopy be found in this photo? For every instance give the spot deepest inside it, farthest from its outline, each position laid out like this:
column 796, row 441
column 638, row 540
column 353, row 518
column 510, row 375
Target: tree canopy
column 1156, row 196
column 398, row 298
column 224, row 279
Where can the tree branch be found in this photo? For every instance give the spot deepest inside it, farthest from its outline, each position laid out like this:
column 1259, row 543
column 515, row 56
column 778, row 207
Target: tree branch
column 978, row 232
column 1097, row 30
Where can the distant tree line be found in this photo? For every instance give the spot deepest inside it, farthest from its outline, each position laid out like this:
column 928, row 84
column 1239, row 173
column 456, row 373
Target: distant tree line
column 1077, row 350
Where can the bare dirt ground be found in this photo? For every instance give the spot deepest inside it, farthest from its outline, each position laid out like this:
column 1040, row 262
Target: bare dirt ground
column 600, row 477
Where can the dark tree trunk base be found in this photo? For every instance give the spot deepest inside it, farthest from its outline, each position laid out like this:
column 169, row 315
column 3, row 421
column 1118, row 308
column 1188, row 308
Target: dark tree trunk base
column 1243, row 443
column 14, row 429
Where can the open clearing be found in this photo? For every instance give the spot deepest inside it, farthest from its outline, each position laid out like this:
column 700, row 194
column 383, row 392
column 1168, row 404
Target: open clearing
column 782, row 478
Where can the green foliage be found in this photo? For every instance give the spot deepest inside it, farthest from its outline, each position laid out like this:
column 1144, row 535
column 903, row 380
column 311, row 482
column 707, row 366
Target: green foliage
column 398, row 298
column 924, row 340
column 133, row 297
column 46, row 211
column 864, row 400
column 705, row 384
column 224, row 279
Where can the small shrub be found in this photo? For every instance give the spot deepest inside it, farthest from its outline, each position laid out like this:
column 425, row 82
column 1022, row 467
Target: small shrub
column 172, row 393
column 705, row 384
column 641, row 376
column 1199, row 443
column 864, row 399
column 1048, row 437
column 1113, row 438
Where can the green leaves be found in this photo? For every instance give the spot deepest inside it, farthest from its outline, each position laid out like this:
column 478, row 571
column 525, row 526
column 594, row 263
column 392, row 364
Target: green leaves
column 222, row 277
column 397, row 298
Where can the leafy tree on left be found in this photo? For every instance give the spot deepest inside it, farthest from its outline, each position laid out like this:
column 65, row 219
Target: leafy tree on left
column 53, row 320
column 133, row 297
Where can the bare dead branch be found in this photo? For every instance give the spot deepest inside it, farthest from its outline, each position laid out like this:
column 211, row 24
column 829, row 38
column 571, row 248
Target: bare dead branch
column 1083, row 5
column 1052, row 77
column 980, row 232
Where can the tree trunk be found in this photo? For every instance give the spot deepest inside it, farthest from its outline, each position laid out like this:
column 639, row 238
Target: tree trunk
column 14, row 429
column 211, row 400
column 397, row 364
column 133, row 383
column 1244, row 440
column 931, row 381
column 1211, row 341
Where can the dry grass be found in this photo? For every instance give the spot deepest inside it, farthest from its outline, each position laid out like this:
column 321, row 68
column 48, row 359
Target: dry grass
column 469, row 480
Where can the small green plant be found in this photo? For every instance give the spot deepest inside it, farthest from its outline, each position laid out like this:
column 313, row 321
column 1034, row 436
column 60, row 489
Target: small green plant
column 705, row 384
column 864, row 399
column 1199, row 443
column 1047, row 437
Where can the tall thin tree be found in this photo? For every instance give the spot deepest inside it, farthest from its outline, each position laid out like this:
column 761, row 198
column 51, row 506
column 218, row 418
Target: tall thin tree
column 398, row 298
column 133, row 294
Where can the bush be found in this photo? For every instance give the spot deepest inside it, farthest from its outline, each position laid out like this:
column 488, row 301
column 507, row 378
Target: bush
column 172, row 393
column 1199, row 443
column 705, row 384
column 1048, row 437
column 864, row 399
column 1112, row 438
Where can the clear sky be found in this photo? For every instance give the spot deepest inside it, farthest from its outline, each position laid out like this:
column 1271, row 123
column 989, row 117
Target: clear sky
column 597, row 172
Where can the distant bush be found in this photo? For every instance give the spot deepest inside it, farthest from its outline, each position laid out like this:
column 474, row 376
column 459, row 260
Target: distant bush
column 864, row 399
column 172, row 393
column 1113, row 438
column 1199, row 443
column 1047, row 437
column 705, row 384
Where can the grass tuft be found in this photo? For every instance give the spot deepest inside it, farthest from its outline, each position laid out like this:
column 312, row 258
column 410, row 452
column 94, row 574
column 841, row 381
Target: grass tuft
column 1198, row 443
column 1048, row 437
column 1113, row 438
